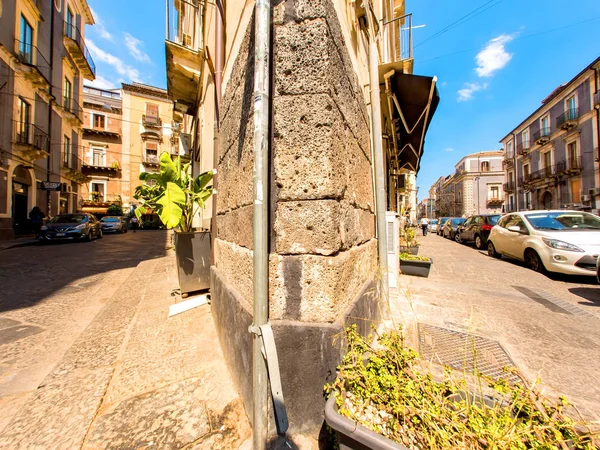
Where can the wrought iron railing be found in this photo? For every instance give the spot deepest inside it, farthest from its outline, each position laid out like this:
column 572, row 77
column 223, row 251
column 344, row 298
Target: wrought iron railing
column 509, row 186
column 570, row 164
column 523, row 147
column 182, row 23
column 152, row 121
column 70, row 160
column 72, row 32
column 546, row 172
column 26, row 133
column 99, row 197
column 70, row 105
column 29, row 54
column 568, row 116
column 542, row 133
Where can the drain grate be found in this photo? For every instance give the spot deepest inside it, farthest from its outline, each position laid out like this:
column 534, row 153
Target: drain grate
column 465, row 352
column 552, row 303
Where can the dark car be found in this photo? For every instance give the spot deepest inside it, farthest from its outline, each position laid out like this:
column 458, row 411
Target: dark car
column 450, row 227
column 71, row 227
column 440, row 229
column 113, row 224
column 477, row 229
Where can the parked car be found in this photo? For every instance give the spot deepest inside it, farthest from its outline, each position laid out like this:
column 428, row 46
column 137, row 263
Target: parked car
column 433, row 225
column 451, row 226
column 116, row 224
column 71, row 226
column 556, row 241
column 477, row 229
column 441, row 224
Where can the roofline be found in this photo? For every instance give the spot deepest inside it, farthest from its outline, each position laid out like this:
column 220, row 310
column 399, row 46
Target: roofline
column 88, row 13
column 479, row 154
column 550, row 97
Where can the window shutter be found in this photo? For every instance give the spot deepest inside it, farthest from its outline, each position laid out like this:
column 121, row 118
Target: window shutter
column 151, row 110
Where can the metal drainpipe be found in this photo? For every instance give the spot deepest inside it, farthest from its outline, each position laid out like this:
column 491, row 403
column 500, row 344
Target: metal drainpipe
column 49, row 159
column 596, row 74
column 260, row 225
column 219, row 59
column 380, row 196
column 515, row 171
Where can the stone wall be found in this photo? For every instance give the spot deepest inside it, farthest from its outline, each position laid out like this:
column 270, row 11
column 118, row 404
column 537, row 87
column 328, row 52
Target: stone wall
column 323, row 254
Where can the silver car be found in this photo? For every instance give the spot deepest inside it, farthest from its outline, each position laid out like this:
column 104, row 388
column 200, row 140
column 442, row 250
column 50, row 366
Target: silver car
column 113, row 224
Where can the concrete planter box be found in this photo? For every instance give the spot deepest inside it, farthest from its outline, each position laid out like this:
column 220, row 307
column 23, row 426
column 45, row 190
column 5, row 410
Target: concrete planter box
column 193, row 260
column 352, row 436
column 411, row 250
column 415, row 268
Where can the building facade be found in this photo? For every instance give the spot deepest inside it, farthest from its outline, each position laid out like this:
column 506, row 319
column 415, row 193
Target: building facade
column 476, row 187
column 43, row 63
column 125, row 131
column 551, row 158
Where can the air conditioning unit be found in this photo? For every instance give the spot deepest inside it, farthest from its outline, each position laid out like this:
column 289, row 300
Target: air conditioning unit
column 585, row 198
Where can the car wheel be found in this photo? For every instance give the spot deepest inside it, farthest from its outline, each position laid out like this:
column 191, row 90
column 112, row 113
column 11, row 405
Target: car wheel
column 89, row 236
column 533, row 261
column 478, row 242
column 457, row 238
column 492, row 251
column 100, row 235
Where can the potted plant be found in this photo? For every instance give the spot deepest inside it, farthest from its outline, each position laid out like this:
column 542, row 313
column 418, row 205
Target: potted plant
column 385, row 397
column 418, row 266
column 176, row 197
column 408, row 241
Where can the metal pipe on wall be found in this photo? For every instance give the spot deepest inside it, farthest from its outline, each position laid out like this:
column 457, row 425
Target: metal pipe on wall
column 376, row 135
column 218, row 79
column 260, row 225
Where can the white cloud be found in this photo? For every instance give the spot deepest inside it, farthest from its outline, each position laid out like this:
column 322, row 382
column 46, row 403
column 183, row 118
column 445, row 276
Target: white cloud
column 134, row 50
column 494, row 56
column 102, row 83
column 449, row 149
column 100, row 28
column 129, row 72
column 443, row 84
column 467, row 92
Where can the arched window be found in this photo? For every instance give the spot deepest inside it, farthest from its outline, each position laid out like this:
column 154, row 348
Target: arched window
column 485, row 166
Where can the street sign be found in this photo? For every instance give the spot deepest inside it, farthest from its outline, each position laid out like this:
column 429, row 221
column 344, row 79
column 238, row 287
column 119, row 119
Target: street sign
column 51, row 185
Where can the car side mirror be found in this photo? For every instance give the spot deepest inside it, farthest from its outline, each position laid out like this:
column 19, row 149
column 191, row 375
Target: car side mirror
column 517, row 229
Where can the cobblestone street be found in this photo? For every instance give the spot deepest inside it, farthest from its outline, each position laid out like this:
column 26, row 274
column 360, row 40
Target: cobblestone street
column 89, row 359
column 548, row 325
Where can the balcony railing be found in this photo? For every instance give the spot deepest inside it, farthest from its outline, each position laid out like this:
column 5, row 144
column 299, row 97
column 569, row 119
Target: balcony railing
column 182, row 23
column 567, row 119
column 495, row 201
column 151, row 121
column 71, row 106
column 571, row 165
column 151, row 160
column 31, row 135
column 542, row 135
column 29, row 54
column 94, row 198
column 80, row 52
column 546, row 172
column 508, row 161
column 397, row 39
column 70, row 160
column 523, row 148
column 509, row 187
column 597, row 98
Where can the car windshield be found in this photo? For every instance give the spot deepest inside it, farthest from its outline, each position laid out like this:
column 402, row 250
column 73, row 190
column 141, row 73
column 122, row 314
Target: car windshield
column 434, row 222
column 109, row 219
column 562, row 221
column 494, row 219
column 457, row 221
column 69, row 218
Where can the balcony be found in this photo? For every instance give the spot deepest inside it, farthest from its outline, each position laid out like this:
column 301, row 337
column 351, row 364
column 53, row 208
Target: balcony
column 508, row 162
column 74, row 112
column 184, row 51
column 33, row 65
column 98, row 165
column 98, row 131
column 71, row 165
column 523, row 148
column 151, row 121
column 543, row 174
column 569, row 167
column 542, row 136
column 73, row 40
column 151, row 161
column 494, row 201
column 30, row 141
column 397, row 45
column 509, row 187
column 101, row 200
column 568, row 119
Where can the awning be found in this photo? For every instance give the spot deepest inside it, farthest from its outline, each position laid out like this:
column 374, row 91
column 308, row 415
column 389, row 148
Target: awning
column 408, row 105
column 94, row 210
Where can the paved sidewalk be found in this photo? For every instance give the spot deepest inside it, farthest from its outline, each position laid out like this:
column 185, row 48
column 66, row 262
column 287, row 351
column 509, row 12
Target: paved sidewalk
column 133, row 378
column 549, row 326
column 18, row 242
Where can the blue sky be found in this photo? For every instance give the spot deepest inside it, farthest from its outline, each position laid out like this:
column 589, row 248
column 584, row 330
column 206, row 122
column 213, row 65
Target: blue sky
column 494, row 67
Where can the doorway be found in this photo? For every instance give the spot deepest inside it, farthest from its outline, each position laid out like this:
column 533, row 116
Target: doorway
column 21, row 185
column 547, row 200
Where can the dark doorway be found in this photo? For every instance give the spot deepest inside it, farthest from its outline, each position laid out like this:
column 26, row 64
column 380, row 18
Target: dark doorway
column 547, row 200
column 20, row 188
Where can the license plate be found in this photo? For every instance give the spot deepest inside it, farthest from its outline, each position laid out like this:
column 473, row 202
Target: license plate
column 61, row 234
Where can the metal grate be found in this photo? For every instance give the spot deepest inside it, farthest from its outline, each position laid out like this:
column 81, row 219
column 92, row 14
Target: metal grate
column 553, row 303
column 465, row 352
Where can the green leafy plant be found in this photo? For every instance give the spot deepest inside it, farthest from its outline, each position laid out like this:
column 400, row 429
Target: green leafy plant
column 115, row 209
column 409, row 257
column 173, row 193
column 408, row 237
column 388, row 389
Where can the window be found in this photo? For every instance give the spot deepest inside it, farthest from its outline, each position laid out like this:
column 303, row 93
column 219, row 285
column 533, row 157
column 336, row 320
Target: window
column 527, row 200
column 70, row 24
column 98, row 156
column 509, row 149
column 98, row 121
column 525, row 138
column 516, row 221
column 547, row 159
column 67, row 157
column 97, row 188
column 151, row 152
column 572, row 155
column 545, row 125
column 26, row 42
column 485, row 166
column 23, row 125
column 571, row 106
column 575, row 191
column 494, row 192
column 68, row 93
column 152, row 110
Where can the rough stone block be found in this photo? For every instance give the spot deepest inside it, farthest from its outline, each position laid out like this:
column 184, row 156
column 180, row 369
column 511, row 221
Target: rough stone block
column 356, row 226
column 359, row 180
column 236, row 265
column 308, row 227
column 236, row 226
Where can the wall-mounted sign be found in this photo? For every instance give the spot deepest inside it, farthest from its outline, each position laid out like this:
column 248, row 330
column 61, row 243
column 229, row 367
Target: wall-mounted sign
column 51, row 185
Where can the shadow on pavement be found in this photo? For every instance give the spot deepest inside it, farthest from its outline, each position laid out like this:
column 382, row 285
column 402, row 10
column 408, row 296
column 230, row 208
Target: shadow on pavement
column 30, row 274
column 592, row 295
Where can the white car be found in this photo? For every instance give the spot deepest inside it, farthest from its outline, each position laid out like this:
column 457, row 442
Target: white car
column 433, row 225
column 557, row 241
